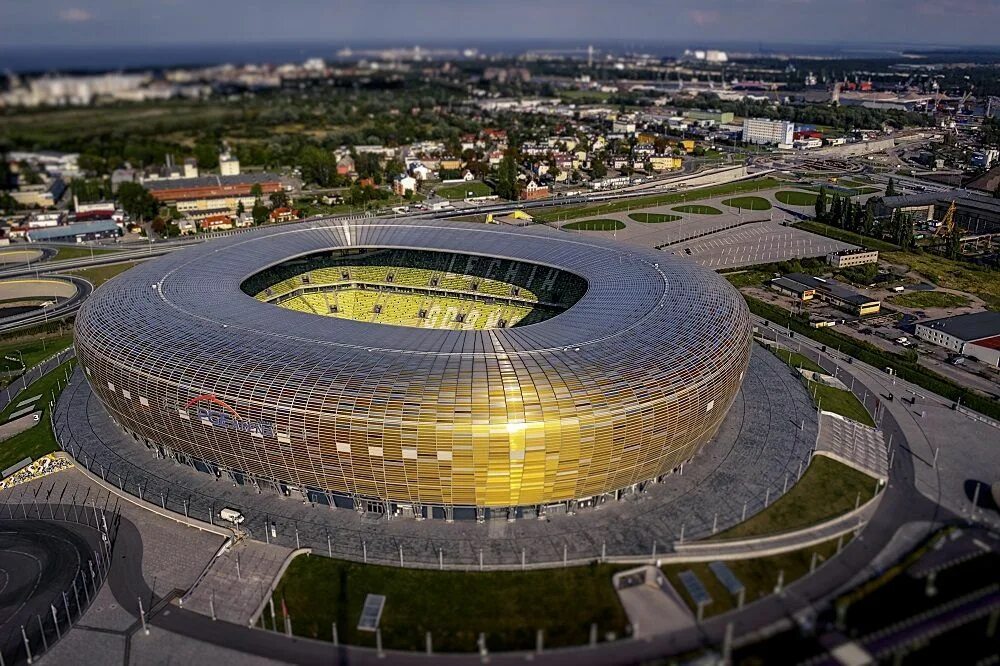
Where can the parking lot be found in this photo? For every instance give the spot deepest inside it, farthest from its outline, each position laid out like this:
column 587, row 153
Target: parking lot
column 757, row 243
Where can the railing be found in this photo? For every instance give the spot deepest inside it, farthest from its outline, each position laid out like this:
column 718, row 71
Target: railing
column 68, row 606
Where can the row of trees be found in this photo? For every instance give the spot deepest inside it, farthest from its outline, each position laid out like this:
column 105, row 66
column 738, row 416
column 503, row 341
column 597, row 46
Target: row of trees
column 844, row 213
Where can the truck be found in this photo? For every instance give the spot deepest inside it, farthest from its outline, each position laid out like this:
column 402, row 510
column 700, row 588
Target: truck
column 232, row 516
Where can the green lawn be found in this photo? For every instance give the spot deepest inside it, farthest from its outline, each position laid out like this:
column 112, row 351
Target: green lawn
column 748, row 203
column 758, row 575
column 101, row 274
column 797, row 360
column 455, row 606
column 826, row 490
column 982, row 281
column 39, row 440
column 829, row 399
column 589, row 210
column 841, row 402
column 929, row 299
column 794, row 198
column 654, row 218
column 595, row 225
column 461, row 190
column 77, row 252
column 33, row 350
column 697, row 209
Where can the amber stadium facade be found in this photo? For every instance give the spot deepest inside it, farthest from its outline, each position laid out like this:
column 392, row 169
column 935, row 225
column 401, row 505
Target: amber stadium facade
column 620, row 365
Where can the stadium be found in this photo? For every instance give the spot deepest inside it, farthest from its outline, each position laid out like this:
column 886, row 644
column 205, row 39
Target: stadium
column 423, row 368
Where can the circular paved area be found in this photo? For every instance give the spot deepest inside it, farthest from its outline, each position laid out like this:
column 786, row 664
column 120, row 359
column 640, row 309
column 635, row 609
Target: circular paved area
column 758, row 448
column 38, row 561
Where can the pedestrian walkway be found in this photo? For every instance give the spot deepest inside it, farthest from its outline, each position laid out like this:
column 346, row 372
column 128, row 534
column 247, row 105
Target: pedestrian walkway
column 854, row 444
column 236, row 581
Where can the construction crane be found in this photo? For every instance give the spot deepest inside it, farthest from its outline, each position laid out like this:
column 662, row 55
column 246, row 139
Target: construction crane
column 947, row 222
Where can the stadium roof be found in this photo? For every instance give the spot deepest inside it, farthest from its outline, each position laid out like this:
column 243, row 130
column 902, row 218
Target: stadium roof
column 643, row 311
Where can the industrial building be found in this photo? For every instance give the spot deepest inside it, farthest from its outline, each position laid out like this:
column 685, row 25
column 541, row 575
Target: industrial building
column 764, row 131
column 76, row 233
column 806, row 287
column 976, row 335
column 856, row 257
column 974, row 213
column 347, row 361
column 212, row 187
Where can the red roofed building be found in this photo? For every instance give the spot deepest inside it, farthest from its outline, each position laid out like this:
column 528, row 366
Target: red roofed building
column 216, row 223
column 533, row 191
column 211, row 187
column 284, row 215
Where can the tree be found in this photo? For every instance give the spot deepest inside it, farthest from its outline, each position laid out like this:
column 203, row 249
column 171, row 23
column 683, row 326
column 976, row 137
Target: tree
column 836, row 211
column 318, row 166
column 256, row 191
column 868, row 225
column 137, row 201
column 279, row 199
column 259, row 212
column 890, row 188
column 821, row 204
column 598, row 169
column 507, row 178
column 240, row 208
column 207, row 154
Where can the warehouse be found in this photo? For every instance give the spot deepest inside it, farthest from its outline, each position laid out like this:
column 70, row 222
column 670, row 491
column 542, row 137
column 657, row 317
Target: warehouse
column 976, row 335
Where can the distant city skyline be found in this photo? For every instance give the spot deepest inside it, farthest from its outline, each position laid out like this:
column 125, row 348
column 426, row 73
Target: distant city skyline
column 106, row 23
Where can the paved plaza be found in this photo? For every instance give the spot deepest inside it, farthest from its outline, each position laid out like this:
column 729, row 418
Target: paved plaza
column 731, row 239
column 769, row 432
column 758, row 243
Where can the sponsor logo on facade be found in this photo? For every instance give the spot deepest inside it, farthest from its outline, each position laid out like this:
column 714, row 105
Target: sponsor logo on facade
column 215, row 412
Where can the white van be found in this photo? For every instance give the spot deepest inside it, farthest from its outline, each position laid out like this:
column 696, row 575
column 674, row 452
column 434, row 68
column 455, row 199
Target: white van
column 231, row 515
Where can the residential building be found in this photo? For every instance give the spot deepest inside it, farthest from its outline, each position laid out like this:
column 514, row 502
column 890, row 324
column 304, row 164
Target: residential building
column 764, row 131
column 42, row 196
column 403, row 184
column 229, row 165
column 51, row 162
column 283, row 215
column 665, row 162
column 216, row 223
column 709, row 118
column 345, row 165
column 976, row 335
column 533, row 191
column 856, row 257
column 191, row 167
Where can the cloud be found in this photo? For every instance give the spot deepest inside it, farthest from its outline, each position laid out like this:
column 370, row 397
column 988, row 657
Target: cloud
column 75, row 15
column 703, row 16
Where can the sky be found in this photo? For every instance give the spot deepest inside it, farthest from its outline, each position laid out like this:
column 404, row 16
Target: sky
column 43, row 23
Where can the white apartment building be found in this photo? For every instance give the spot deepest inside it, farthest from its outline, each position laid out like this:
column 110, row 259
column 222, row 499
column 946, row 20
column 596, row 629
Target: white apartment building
column 855, row 257
column 762, row 130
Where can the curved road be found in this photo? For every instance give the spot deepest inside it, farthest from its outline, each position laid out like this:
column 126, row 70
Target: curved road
column 38, row 561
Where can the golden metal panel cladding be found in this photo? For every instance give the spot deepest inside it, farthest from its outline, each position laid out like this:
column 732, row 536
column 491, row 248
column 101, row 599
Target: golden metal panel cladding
column 624, row 365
